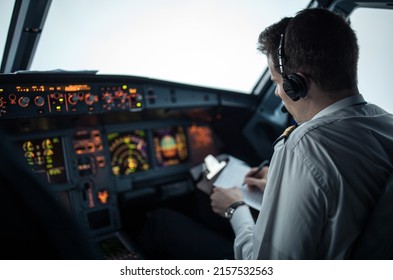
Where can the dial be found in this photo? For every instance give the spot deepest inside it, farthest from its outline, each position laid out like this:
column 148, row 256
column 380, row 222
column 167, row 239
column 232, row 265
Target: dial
column 128, row 152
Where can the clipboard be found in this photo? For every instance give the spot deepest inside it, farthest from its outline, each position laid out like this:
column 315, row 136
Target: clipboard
column 205, row 177
column 233, row 171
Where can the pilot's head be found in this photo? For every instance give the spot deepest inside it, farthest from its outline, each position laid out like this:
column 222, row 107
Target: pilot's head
column 312, row 58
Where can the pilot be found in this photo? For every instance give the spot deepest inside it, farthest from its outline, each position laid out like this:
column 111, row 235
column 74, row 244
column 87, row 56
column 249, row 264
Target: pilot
column 326, row 173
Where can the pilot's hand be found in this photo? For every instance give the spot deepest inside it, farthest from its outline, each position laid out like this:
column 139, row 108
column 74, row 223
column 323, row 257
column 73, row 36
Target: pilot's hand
column 256, row 180
column 221, row 199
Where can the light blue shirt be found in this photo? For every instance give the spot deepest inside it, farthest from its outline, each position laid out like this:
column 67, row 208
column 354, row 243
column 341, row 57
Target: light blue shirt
column 323, row 181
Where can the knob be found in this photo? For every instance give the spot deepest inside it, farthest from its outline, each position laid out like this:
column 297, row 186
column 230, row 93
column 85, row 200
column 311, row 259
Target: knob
column 24, row 101
column 89, row 99
column 39, row 101
column 123, row 99
column 107, row 99
column 73, row 99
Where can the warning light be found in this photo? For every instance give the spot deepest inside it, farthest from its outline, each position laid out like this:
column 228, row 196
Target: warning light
column 58, row 108
column 124, row 87
column 133, row 90
column 61, row 99
column 103, row 196
column 138, row 104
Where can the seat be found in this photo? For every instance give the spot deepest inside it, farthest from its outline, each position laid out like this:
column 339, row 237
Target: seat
column 376, row 241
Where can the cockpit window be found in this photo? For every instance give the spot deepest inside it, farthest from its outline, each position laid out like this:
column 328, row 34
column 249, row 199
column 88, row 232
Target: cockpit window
column 205, row 42
column 374, row 28
column 6, row 7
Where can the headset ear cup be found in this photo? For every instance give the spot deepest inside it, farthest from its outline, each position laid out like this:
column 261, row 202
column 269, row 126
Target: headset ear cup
column 289, row 89
column 295, row 86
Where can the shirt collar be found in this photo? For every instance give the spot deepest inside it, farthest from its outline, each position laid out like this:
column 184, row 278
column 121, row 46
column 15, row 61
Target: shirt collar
column 341, row 104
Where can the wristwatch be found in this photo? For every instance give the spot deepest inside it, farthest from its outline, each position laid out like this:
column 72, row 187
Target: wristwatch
column 231, row 209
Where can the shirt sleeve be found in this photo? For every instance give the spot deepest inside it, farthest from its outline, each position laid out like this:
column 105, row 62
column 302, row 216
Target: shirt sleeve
column 243, row 225
column 294, row 208
column 293, row 212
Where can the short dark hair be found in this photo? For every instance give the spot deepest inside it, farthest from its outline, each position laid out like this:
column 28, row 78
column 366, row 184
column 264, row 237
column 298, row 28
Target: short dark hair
column 319, row 44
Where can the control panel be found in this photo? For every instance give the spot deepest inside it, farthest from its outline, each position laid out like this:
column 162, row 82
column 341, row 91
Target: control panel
column 103, row 141
column 47, row 95
column 41, row 100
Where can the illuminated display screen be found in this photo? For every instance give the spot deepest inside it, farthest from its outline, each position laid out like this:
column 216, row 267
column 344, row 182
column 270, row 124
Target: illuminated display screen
column 45, row 158
column 128, row 152
column 170, row 145
column 202, row 142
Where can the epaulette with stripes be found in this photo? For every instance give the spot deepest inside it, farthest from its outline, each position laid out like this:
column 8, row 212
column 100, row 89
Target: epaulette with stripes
column 285, row 134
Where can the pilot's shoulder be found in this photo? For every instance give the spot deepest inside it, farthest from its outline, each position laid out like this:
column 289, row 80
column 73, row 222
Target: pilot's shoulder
column 284, row 136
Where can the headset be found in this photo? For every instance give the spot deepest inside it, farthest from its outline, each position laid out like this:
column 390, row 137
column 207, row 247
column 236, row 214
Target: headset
column 294, row 85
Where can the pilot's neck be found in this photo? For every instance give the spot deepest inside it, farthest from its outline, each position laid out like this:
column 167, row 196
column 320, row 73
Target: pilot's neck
column 317, row 100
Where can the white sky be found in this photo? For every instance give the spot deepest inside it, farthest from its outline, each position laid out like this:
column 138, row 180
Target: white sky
column 205, row 42
column 374, row 28
column 6, row 7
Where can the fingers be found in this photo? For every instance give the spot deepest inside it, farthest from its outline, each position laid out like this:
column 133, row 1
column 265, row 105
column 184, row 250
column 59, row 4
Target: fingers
column 252, row 172
column 264, row 171
column 256, row 183
column 261, row 174
column 257, row 180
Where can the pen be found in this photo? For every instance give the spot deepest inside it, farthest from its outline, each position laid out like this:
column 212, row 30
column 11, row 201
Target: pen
column 263, row 163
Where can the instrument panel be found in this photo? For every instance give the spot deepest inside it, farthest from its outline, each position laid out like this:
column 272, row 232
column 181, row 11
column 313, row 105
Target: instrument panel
column 47, row 94
column 95, row 140
column 37, row 100
column 88, row 168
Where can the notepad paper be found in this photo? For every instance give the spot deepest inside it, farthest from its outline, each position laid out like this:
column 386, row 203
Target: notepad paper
column 233, row 176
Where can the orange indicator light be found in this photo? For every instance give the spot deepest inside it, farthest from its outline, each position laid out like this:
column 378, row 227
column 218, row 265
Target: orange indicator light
column 103, row 196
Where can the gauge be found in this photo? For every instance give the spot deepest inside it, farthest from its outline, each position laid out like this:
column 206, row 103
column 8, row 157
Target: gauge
column 170, row 145
column 46, row 158
column 128, row 152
